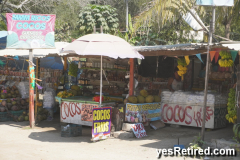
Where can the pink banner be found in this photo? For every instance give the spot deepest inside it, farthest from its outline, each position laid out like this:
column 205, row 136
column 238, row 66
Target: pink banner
column 30, row 31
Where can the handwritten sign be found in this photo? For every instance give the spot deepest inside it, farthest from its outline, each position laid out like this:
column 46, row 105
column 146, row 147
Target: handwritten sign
column 138, row 130
column 189, row 115
column 101, row 127
column 144, row 112
column 87, row 110
column 30, row 31
column 76, row 113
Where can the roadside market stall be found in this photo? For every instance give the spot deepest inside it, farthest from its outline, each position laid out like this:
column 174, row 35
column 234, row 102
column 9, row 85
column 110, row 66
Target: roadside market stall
column 185, row 107
column 100, row 46
column 14, row 79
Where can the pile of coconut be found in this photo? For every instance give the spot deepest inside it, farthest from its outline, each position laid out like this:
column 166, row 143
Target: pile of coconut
column 15, row 104
column 10, row 92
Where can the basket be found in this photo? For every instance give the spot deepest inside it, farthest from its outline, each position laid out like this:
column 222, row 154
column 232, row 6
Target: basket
column 5, row 117
column 71, row 130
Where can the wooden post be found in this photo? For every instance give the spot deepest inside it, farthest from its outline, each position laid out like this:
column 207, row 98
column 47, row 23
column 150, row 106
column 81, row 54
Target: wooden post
column 31, row 93
column 65, row 64
column 131, row 79
column 36, row 88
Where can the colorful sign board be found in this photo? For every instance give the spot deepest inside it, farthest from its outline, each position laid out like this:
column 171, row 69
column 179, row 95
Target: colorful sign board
column 138, row 130
column 101, row 127
column 77, row 113
column 215, row 2
column 188, row 115
column 30, row 31
column 138, row 113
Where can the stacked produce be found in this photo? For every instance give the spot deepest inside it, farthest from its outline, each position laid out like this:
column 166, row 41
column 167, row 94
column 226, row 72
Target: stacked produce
column 182, row 66
column 14, row 105
column 226, row 59
column 10, row 92
column 144, row 97
column 42, row 113
column 73, row 69
column 23, row 117
column 74, row 91
column 232, row 110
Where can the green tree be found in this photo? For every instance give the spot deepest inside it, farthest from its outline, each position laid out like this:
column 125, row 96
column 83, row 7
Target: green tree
column 98, row 15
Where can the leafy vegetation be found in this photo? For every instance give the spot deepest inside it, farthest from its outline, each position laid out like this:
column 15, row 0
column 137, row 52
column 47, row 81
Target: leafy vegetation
column 98, row 15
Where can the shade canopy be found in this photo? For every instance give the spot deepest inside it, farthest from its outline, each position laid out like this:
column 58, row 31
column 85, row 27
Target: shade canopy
column 101, row 45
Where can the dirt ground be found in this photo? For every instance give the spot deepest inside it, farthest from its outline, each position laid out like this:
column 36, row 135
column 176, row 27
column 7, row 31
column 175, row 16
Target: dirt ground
column 44, row 142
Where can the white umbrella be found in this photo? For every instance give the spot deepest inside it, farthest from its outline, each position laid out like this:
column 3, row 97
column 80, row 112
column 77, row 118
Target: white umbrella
column 101, row 45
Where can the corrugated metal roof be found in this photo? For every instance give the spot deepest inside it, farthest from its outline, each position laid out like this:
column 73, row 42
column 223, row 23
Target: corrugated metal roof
column 175, row 47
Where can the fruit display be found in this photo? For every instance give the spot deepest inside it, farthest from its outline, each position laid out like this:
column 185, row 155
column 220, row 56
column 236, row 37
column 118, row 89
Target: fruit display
column 236, row 131
column 226, row 59
column 182, row 62
column 225, row 63
column 182, row 66
column 10, row 92
column 23, row 117
column 144, row 97
column 225, row 55
column 73, row 69
column 13, row 104
column 232, row 110
column 42, row 114
column 64, row 94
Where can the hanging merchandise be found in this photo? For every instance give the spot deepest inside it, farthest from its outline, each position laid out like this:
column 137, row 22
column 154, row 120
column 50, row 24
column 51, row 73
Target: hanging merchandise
column 182, row 66
column 226, row 59
column 187, row 59
column 232, row 111
column 73, row 69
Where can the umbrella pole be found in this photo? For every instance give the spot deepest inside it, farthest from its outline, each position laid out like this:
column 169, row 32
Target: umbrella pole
column 101, row 84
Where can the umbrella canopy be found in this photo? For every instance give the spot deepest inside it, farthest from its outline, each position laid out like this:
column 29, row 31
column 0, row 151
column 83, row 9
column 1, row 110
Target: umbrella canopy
column 102, row 45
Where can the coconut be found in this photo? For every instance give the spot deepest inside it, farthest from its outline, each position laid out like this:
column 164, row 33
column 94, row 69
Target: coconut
column 9, row 100
column 4, row 103
column 12, row 92
column 14, row 96
column 3, row 96
column 26, row 118
column 39, row 118
column 24, row 113
column 14, row 87
column 9, row 106
column 14, row 102
column 14, row 108
column 24, row 107
column 44, row 117
column 27, row 100
column 21, row 118
column 22, row 102
column 2, row 109
column 15, row 118
column 17, row 92
column 9, row 95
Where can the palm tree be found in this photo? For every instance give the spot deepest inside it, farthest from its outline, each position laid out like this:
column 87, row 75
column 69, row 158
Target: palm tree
column 160, row 12
column 226, row 16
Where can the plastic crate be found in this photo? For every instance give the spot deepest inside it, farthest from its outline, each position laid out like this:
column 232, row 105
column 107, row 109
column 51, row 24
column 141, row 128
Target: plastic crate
column 71, row 130
column 5, row 117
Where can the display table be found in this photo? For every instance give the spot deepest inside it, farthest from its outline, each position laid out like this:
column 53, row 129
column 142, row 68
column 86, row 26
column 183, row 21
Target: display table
column 191, row 115
column 78, row 110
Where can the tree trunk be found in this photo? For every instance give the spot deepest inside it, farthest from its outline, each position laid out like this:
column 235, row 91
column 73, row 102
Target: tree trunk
column 227, row 30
